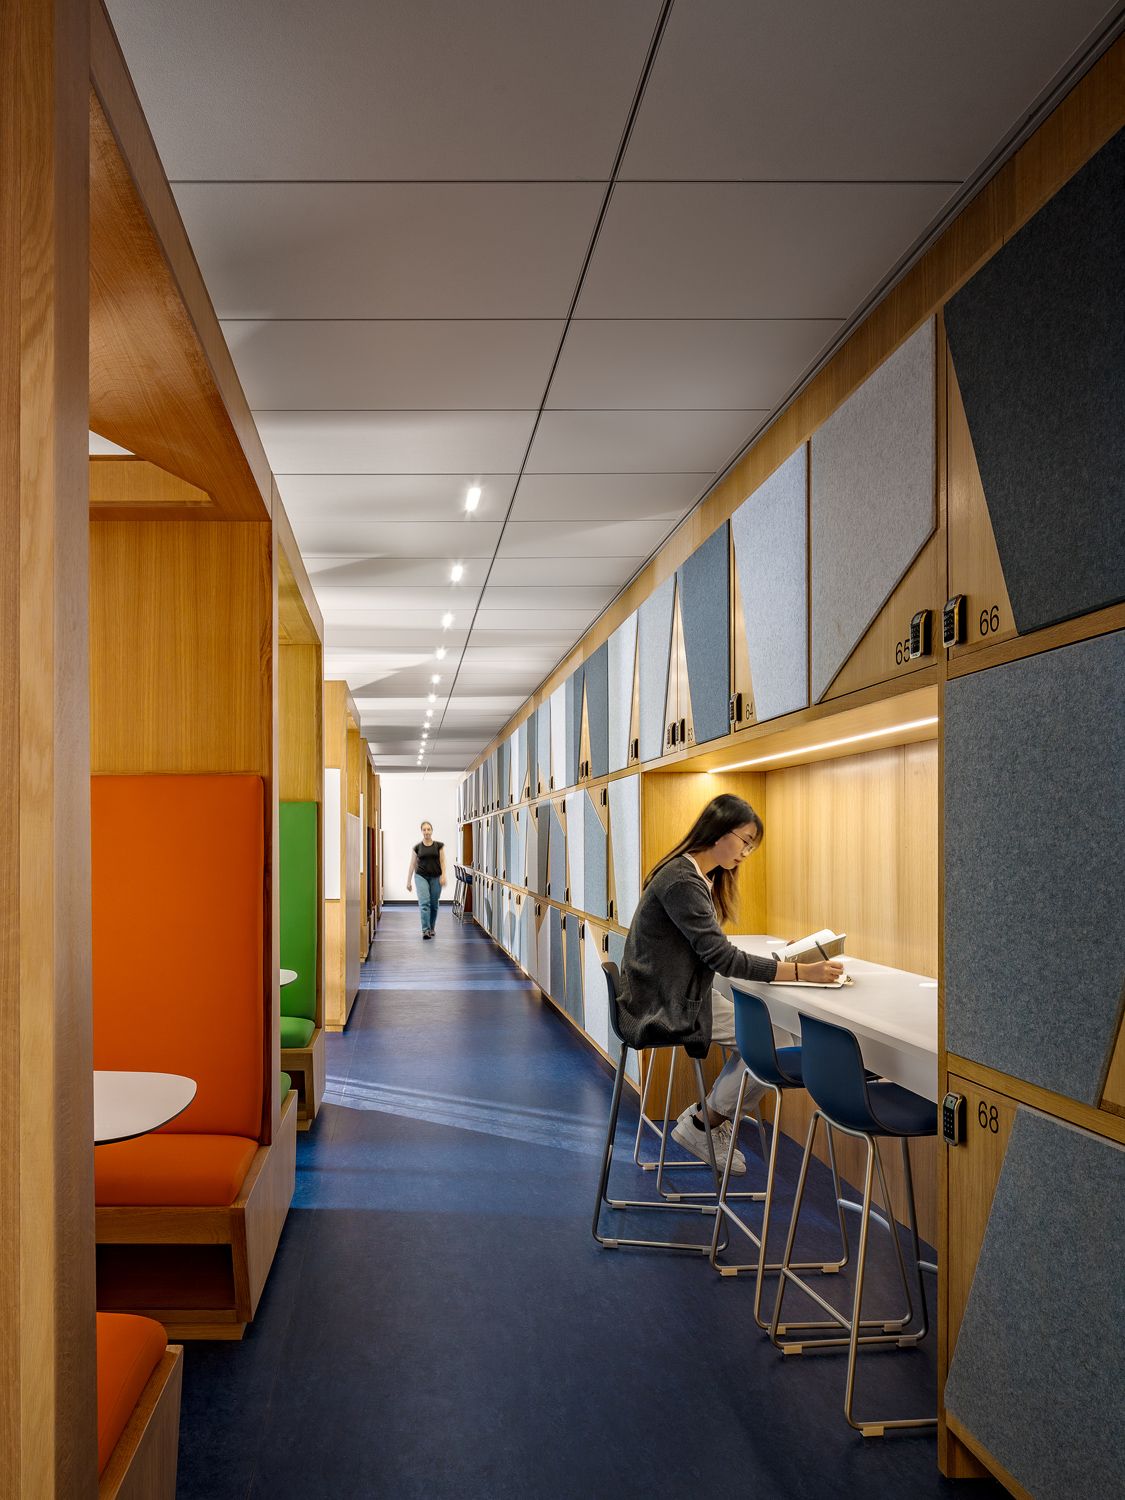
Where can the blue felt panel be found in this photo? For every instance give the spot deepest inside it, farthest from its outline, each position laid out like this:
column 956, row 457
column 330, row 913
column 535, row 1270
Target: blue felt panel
column 771, row 555
column 530, row 848
column 625, row 832
column 573, row 724
column 595, row 900
column 558, row 737
column 521, row 760
column 556, row 866
column 1038, row 1373
column 872, row 500
column 509, row 870
column 513, row 766
column 704, row 583
column 575, row 851
column 573, row 935
column 503, row 775
column 558, row 967
column 543, row 941
column 1038, row 343
column 654, row 641
column 543, row 838
column 595, row 998
column 527, row 935
column 543, row 744
column 622, row 669
column 1034, row 920
column 597, row 709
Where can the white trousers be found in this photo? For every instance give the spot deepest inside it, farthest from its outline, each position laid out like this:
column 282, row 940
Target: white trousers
column 724, row 1091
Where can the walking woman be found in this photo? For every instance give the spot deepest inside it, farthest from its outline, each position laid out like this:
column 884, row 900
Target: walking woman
column 675, row 948
column 427, row 866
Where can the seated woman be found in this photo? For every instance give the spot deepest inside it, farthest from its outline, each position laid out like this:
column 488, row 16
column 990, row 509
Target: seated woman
column 676, row 946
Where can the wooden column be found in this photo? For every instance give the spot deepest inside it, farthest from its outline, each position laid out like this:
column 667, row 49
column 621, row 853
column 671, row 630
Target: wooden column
column 48, row 1392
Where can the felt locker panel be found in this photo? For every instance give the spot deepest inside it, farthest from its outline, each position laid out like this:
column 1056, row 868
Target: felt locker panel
column 596, row 874
column 543, row 942
column 1034, row 800
column 509, row 870
column 556, row 858
column 573, row 725
column 597, row 709
column 1038, row 1372
column 513, row 767
column 625, row 834
column 503, row 776
column 596, row 996
column 530, row 847
column 622, row 668
column 521, row 760
column 542, row 846
column 558, row 965
column 873, row 502
column 573, row 935
column 769, row 533
column 527, row 935
column 654, row 641
column 558, row 737
column 704, row 585
column 543, row 745
column 1037, row 338
column 575, row 848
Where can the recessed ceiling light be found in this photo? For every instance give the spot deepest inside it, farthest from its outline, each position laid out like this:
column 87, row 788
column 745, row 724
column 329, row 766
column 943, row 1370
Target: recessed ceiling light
column 446, row 620
column 440, row 653
column 436, row 678
column 472, row 497
column 433, row 697
column 456, row 572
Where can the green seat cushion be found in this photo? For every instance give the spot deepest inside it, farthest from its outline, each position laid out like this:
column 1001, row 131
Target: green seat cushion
column 297, row 897
column 286, row 1084
column 296, row 1031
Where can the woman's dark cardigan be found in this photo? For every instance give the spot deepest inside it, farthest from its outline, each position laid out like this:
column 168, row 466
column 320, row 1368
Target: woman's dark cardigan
column 674, row 950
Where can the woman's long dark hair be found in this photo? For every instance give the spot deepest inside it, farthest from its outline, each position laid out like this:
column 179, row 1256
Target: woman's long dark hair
column 721, row 816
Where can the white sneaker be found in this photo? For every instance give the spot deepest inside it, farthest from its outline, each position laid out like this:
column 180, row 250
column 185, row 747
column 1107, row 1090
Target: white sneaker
column 692, row 1139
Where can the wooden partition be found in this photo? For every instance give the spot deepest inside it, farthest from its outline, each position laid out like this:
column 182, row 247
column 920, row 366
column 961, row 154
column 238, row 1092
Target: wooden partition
column 373, row 821
column 342, row 783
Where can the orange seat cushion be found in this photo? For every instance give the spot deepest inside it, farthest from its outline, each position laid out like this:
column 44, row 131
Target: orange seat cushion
column 179, row 895
column 179, row 1171
column 129, row 1349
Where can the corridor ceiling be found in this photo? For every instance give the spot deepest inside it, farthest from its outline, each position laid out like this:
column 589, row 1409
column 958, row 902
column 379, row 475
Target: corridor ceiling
column 573, row 252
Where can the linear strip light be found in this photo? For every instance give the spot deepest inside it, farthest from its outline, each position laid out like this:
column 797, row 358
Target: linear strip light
column 851, row 739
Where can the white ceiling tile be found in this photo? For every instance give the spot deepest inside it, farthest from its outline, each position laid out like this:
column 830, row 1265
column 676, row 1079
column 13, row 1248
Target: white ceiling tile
column 751, row 250
column 341, row 600
column 400, row 250
column 573, row 621
column 398, row 365
column 685, row 363
column 372, row 537
column 422, row 497
column 591, row 597
column 401, row 442
column 394, row 573
column 618, row 497
column 593, row 442
column 499, row 88
column 575, row 538
column 411, row 640
column 529, row 571
column 820, row 90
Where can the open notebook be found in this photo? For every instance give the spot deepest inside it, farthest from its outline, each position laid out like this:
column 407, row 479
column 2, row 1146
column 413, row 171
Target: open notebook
column 811, row 950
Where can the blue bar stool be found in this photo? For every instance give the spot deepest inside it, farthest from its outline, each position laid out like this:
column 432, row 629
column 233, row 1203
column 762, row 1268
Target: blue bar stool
column 775, row 1071
column 847, row 1099
column 604, row 1201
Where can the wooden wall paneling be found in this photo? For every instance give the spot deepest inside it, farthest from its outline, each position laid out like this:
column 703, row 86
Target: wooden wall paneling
column 181, row 638
column 336, row 1005
column 974, row 567
column 48, row 1441
column 300, row 723
column 132, row 487
column 162, row 380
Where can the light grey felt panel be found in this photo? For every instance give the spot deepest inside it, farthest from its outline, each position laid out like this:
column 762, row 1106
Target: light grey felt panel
column 558, row 968
column 556, row 868
column 543, row 744
column 527, row 935
column 1038, row 343
column 594, row 856
column 573, row 724
column 1038, row 1373
column 543, row 940
column 771, row 556
column 704, row 582
column 530, row 848
column 595, row 998
column 625, row 831
column 509, row 846
column 543, row 838
column 558, row 737
column 654, row 641
column 521, row 759
column 872, row 500
column 622, row 662
column 513, row 766
column 573, row 936
column 575, row 856
column 597, row 709
column 503, row 776
column 1034, row 918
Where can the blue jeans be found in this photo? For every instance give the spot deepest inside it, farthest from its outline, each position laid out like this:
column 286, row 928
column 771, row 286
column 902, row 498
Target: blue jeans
column 428, row 890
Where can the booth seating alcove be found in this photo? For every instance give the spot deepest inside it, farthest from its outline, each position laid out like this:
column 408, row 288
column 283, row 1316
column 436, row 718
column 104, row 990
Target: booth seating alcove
column 188, row 1217
column 139, row 1380
column 302, row 1035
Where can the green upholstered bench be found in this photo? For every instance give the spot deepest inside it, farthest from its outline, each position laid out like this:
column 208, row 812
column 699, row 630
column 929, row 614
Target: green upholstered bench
column 302, row 1036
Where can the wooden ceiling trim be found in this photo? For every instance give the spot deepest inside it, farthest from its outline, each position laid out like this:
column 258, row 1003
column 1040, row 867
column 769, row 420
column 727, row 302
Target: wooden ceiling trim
column 299, row 618
column 162, row 381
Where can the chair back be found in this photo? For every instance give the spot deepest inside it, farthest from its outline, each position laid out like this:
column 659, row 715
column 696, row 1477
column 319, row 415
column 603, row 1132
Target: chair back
column 613, row 985
column 753, row 1033
column 834, row 1074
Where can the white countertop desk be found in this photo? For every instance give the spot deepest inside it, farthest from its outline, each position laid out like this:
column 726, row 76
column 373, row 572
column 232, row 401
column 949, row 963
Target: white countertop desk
column 288, row 976
column 892, row 1013
column 131, row 1104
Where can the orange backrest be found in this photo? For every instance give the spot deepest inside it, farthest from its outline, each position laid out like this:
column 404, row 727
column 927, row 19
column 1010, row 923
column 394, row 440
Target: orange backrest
column 178, row 877
column 129, row 1349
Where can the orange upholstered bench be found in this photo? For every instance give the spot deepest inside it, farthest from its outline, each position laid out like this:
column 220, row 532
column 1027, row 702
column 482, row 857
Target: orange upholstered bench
column 139, row 1377
column 179, row 899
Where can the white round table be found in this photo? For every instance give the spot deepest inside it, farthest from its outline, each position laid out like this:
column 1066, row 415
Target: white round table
column 131, row 1104
column 288, row 976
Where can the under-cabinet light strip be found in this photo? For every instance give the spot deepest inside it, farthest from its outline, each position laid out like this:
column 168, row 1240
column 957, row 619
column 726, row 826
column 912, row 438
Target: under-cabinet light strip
column 851, row 739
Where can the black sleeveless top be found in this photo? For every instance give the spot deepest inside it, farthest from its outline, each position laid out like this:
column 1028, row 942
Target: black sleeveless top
column 429, row 859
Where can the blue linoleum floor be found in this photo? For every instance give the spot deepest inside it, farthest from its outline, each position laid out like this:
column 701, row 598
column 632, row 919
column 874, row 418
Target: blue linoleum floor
column 439, row 1322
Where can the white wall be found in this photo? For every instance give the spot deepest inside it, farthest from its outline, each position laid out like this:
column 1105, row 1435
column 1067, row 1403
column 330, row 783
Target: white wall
column 409, row 800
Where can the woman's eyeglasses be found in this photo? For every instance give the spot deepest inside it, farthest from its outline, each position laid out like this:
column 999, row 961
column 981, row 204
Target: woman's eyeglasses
column 747, row 843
